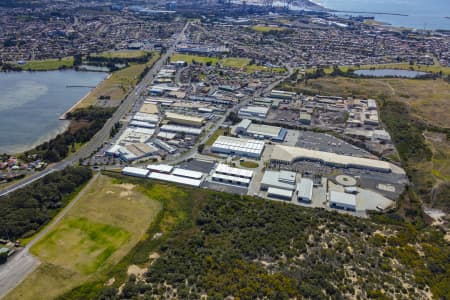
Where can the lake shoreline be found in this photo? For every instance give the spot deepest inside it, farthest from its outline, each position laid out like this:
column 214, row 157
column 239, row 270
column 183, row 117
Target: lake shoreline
column 44, row 97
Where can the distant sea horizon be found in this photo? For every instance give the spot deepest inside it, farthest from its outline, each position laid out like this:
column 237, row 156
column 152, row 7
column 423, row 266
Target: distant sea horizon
column 429, row 15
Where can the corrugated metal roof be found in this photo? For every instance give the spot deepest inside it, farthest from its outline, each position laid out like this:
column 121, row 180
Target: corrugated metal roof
column 187, row 173
column 174, row 179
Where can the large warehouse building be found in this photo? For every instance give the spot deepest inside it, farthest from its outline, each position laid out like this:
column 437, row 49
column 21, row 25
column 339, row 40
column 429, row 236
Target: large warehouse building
column 253, row 111
column 261, row 131
column 236, row 146
column 185, row 119
column 288, row 155
column 342, row 200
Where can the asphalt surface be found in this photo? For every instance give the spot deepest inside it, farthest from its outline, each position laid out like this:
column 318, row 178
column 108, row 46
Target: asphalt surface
column 23, row 263
column 103, row 135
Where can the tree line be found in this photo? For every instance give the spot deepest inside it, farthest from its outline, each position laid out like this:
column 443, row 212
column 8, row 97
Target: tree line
column 24, row 211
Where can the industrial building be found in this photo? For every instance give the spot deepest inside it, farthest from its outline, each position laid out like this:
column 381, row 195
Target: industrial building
column 181, row 129
column 136, row 151
column 160, row 168
column 282, row 94
column 279, row 193
column 145, row 117
column 231, row 179
column 136, row 172
column 175, row 179
column 187, row 173
column 164, row 146
column 288, row 155
column 227, row 170
column 149, row 108
column 305, row 190
column 261, row 131
column 305, row 118
column 142, row 124
column 185, row 119
column 226, row 174
column 342, row 200
column 237, row 146
column 253, row 112
column 279, row 179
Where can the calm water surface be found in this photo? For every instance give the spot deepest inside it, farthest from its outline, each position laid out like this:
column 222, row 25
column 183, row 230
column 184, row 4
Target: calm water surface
column 429, row 14
column 32, row 102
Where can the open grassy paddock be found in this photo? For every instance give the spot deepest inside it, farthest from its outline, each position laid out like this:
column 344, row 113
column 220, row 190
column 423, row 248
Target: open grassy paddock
column 47, row 65
column 232, row 62
column 121, row 54
column 249, row 164
column 262, row 28
column 428, row 99
column 106, row 223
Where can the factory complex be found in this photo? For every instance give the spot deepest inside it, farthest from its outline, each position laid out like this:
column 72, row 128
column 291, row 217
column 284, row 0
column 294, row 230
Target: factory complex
column 219, row 135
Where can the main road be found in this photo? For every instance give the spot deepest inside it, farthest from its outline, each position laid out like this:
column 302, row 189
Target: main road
column 103, row 134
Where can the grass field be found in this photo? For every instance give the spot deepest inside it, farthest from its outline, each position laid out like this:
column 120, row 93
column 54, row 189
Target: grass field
column 261, row 28
column 232, row 62
column 106, row 223
column 118, row 84
column 121, row 54
column 249, row 164
column 215, row 135
column 48, row 64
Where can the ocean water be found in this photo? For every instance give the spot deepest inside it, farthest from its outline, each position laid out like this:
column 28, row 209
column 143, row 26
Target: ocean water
column 422, row 14
column 32, row 102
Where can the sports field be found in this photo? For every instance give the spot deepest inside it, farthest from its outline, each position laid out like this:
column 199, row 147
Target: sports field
column 105, row 224
column 232, row 62
column 47, row 64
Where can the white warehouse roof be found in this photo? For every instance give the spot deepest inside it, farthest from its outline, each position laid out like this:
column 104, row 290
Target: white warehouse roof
column 160, row 168
column 245, row 181
column 226, row 169
column 175, row 179
column 176, row 128
column 239, row 145
column 132, row 171
column 279, row 192
column 342, row 199
column 305, row 189
column 187, row 173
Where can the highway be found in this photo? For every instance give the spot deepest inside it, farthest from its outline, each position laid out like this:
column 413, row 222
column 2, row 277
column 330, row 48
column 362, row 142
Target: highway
column 103, row 135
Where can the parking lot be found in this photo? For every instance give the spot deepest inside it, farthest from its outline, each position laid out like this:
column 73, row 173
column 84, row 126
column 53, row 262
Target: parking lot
column 328, row 143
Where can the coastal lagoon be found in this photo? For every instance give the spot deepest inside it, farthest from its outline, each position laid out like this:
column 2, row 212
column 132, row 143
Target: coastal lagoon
column 421, row 14
column 32, row 102
column 390, row 73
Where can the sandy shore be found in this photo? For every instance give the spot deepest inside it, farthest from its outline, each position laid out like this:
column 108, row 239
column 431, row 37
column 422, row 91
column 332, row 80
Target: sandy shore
column 63, row 116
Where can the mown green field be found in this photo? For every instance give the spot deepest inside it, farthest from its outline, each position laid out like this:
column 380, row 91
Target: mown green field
column 48, row 64
column 261, row 28
column 232, row 62
column 104, row 225
column 121, row 54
